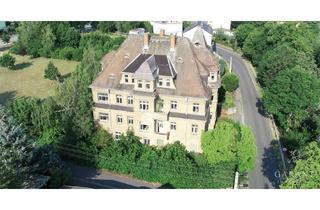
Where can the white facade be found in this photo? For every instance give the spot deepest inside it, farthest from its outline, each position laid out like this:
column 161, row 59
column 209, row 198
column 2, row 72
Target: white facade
column 169, row 27
column 223, row 24
column 190, row 34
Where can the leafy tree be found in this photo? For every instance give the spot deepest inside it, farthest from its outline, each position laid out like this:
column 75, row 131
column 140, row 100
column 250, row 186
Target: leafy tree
column 280, row 58
column 230, row 82
column 5, row 36
column 7, row 60
column 306, row 172
column 51, row 72
column 246, row 150
column 186, row 24
column 242, row 32
column 230, row 142
column 47, row 41
column 107, row 26
column 22, row 164
column 75, row 97
column 293, row 95
column 219, row 144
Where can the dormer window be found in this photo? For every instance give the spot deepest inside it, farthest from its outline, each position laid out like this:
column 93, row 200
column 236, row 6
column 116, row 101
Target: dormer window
column 126, row 78
column 139, row 83
column 160, row 82
column 168, row 82
column 212, row 76
column 148, row 85
column 197, row 44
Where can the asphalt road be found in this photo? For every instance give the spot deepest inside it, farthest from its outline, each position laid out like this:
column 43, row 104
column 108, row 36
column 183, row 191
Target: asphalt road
column 264, row 175
column 85, row 177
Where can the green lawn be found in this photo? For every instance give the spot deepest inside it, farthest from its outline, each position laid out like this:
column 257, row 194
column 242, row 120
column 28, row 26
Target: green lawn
column 27, row 77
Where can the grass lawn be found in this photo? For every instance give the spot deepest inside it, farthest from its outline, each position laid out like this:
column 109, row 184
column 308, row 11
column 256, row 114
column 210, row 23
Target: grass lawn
column 228, row 102
column 27, row 77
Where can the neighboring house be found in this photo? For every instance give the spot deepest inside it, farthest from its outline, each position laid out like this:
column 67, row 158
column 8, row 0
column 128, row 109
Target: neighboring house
column 204, row 27
column 168, row 27
column 224, row 26
column 164, row 88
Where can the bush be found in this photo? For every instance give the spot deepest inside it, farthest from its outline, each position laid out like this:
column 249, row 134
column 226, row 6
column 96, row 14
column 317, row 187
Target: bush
column 51, row 72
column 7, row 60
column 172, row 164
column 230, row 82
column 228, row 101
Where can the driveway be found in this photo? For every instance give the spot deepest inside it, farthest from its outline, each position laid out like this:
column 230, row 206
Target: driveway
column 264, row 175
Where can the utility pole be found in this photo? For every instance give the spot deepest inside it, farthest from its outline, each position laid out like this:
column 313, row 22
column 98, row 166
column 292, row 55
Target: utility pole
column 230, row 64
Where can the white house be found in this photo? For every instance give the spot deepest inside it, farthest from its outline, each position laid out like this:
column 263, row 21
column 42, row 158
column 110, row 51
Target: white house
column 169, row 27
column 224, row 25
column 206, row 30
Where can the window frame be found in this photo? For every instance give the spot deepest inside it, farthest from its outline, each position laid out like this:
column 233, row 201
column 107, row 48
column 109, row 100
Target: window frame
column 119, row 117
column 140, row 83
column 130, row 98
column 105, row 114
column 144, row 104
column 103, row 95
column 195, row 107
column 119, row 99
column 173, row 104
column 130, row 119
column 194, row 129
column 173, row 126
column 143, row 124
column 126, row 78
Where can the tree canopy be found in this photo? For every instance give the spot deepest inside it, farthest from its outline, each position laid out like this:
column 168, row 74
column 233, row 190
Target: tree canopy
column 306, row 172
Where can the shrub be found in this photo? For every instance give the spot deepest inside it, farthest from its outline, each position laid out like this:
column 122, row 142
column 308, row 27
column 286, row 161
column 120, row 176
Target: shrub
column 51, row 72
column 7, row 60
column 230, row 82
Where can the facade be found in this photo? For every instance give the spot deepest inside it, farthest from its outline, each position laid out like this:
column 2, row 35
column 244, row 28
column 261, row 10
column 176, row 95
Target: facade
column 195, row 27
column 167, row 27
column 164, row 88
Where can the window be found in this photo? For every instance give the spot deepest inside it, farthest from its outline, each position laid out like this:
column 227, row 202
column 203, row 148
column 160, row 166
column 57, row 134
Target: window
column 173, row 126
column 195, row 107
column 132, row 80
column 126, row 78
column 117, row 135
column 212, row 76
column 102, row 97
column 143, row 126
column 144, row 105
column 130, row 100
column 174, row 105
column 194, row 129
column 103, row 117
column 139, row 83
column 146, row 141
column 148, row 85
column 160, row 82
column 119, row 99
column 130, row 120
column 119, row 119
column 168, row 83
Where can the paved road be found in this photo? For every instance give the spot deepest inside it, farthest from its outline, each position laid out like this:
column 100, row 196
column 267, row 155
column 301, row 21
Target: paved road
column 263, row 176
column 85, row 177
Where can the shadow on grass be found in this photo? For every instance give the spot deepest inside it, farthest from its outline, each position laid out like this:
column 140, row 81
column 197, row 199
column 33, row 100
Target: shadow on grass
column 6, row 97
column 65, row 76
column 22, row 65
column 2, row 49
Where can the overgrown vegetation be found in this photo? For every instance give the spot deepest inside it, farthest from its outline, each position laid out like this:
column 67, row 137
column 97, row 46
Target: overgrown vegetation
column 230, row 82
column 24, row 165
column 285, row 55
column 61, row 40
column 230, row 142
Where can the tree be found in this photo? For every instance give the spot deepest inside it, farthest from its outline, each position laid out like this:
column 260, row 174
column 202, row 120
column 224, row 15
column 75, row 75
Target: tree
column 230, row 82
column 5, row 36
column 186, row 24
column 246, row 150
column 242, row 32
column 75, row 97
column 281, row 58
column 7, row 60
column 218, row 145
column 292, row 97
column 47, row 41
column 51, row 72
column 306, row 172
column 22, row 164
column 230, row 142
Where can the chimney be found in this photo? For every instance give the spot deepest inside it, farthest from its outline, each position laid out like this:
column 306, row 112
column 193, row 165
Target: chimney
column 161, row 32
column 172, row 42
column 146, row 41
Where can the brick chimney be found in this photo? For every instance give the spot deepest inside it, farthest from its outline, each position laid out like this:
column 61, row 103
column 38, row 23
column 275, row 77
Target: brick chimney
column 172, row 42
column 161, row 32
column 146, row 41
